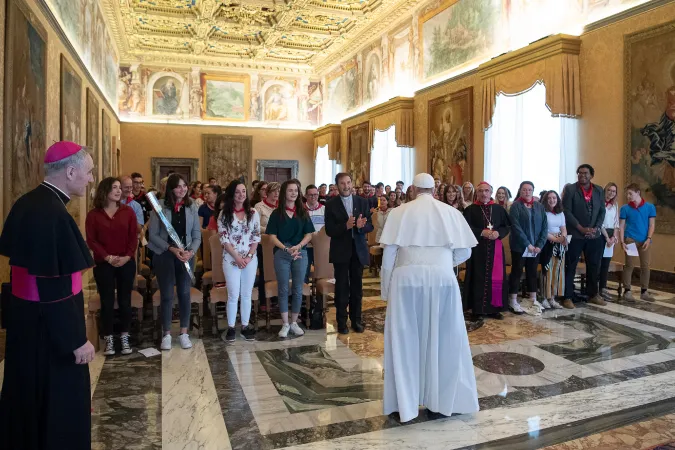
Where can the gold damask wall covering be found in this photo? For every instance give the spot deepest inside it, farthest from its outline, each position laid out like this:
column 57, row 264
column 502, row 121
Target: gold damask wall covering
column 227, row 157
column 358, row 154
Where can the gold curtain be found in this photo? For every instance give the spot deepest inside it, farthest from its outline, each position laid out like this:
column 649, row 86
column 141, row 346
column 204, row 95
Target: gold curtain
column 397, row 111
column 553, row 61
column 328, row 135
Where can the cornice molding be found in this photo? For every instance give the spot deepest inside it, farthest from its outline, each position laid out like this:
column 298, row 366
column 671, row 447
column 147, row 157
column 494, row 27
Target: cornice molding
column 327, row 129
column 623, row 15
column 536, row 51
column 395, row 104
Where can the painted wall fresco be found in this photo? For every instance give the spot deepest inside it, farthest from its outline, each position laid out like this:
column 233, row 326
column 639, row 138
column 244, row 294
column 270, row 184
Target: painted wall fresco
column 650, row 127
column 343, row 91
column 84, row 24
column 183, row 95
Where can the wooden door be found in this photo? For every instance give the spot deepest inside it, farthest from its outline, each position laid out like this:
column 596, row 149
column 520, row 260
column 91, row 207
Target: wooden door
column 278, row 174
column 184, row 171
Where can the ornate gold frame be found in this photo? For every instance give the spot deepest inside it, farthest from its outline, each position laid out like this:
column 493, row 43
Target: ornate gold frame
column 244, row 79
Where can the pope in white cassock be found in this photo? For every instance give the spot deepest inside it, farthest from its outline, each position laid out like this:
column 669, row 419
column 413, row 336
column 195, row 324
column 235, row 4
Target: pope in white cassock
column 427, row 359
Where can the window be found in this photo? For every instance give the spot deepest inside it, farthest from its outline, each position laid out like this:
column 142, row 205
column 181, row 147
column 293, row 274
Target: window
column 526, row 143
column 389, row 162
column 324, row 168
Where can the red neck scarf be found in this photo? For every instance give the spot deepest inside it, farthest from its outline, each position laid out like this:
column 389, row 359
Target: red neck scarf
column 269, row 204
column 130, row 199
column 607, row 203
column 524, row 202
column 491, row 202
column 293, row 209
column 318, row 205
column 237, row 211
column 588, row 195
column 501, row 203
column 636, row 206
column 212, row 208
column 177, row 206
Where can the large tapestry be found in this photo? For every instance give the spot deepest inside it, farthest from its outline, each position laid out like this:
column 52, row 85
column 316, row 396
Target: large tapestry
column 358, row 154
column 84, row 24
column 25, row 102
column 227, row 158
column 650, row 119
column 71, row 116
column 451, row 136
column 106, row 145
column 225, row 98
column 92, row 141
column 456, row 33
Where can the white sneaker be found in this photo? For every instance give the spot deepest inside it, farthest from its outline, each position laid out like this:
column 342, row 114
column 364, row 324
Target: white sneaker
column 628, row 296
column 545, row 304
column 109, row 346
column 515, row 308
column 126, row 348
column 185, row 341
column 554, row 304
column 296, row 330
column 284, row 330
column 166, row 342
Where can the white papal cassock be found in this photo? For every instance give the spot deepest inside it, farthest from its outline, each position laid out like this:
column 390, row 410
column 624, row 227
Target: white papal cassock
column 427, row 359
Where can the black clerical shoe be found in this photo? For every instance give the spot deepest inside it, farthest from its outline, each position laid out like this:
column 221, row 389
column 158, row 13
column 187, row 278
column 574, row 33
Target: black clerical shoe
column 358, row 327
column 342, row 329
column 230, row 335
column 496, row 316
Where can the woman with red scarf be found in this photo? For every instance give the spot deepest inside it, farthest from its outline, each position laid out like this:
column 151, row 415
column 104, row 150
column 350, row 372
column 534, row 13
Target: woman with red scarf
column 637, row 221
column 169, row 260
column 291, row 229
column 529, row 230
column 265, row 209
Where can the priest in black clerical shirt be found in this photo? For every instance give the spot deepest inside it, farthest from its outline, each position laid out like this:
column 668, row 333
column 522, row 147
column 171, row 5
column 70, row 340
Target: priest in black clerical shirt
column 45, row 401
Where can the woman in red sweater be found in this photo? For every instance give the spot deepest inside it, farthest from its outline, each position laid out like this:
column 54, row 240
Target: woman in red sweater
column 112, row 234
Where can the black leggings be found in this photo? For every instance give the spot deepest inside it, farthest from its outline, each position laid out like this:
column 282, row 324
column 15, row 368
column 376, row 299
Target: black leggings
column 110, row 281
column 517, row 264
column 604, row 265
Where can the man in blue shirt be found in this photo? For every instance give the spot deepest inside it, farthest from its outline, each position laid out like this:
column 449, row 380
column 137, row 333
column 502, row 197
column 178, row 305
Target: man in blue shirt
column 637, row 221
column 128, row 199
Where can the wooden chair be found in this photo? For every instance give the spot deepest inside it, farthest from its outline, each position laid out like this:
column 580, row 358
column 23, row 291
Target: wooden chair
column 218, row 296
column 323, row 269
column 271, row 285
column 374, row 248
column 207, row 280
column 143, row 268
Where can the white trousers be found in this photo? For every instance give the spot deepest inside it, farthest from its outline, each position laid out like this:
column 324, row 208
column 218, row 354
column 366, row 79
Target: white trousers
column 239, row 283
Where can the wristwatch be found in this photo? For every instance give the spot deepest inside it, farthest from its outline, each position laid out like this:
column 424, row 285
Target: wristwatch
column 250, row 256
column 286, row 249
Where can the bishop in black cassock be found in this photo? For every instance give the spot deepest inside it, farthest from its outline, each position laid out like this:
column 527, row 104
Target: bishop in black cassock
column 486, row 284
column 45, row 401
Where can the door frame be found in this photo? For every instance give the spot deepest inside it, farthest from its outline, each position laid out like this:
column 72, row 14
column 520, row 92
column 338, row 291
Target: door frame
column 262, row 164
column 156, row 163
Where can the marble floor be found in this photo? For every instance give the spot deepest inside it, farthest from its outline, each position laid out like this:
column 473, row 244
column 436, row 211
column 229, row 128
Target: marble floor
column 590, row 378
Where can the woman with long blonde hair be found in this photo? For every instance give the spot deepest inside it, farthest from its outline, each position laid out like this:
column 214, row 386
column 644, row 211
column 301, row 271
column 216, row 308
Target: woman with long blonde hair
column 610, row 231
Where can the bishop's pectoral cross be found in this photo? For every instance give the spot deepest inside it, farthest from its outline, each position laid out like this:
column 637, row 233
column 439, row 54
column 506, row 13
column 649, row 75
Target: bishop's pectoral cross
column 490, row 227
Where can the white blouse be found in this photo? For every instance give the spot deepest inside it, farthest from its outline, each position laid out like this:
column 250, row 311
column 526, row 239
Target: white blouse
column 264, row 211
column 611, row 217
column 241, row 234
column 555, row 222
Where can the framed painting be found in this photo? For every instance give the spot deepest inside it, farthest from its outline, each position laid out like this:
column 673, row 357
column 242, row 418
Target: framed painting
column 227, row 158
column 358, row 156
column 106, row 145
column 650, row 119
column 450, row 122
column 456, row 33
column 226, row 97
column 92, row 141
column 25, row 140
column 71, row 103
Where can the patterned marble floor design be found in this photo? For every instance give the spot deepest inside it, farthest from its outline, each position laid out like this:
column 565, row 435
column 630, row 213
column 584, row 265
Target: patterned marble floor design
column 591, row 378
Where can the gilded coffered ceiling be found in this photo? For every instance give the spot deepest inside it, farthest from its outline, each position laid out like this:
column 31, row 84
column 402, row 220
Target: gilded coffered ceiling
column 301, row 36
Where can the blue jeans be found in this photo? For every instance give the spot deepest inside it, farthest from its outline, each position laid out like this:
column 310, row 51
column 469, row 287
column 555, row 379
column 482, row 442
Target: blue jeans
column 286, row 268
column 171, row 272
column 310, row 261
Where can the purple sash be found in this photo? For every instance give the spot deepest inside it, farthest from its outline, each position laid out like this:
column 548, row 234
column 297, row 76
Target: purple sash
column 497, row 274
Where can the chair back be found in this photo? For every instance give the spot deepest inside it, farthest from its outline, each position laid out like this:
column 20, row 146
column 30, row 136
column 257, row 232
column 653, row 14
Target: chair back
column 373, row 234
column 322, row 266
column 206, row 249
column 268, row 258
column 507, row 251
column 216, row 258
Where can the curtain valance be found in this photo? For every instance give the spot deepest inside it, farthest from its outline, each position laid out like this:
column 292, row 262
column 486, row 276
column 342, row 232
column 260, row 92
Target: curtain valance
column 328, row 135
column 553, row 61
column 398, row 111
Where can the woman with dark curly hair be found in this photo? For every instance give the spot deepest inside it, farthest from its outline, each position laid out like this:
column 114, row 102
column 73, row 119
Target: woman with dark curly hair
column 453, row 196
column 196, row 193
column 239, row 231
column 112, row 235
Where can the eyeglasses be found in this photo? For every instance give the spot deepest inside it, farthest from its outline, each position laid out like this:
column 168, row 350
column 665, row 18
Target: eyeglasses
column 138, row 182
column 312, row 195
